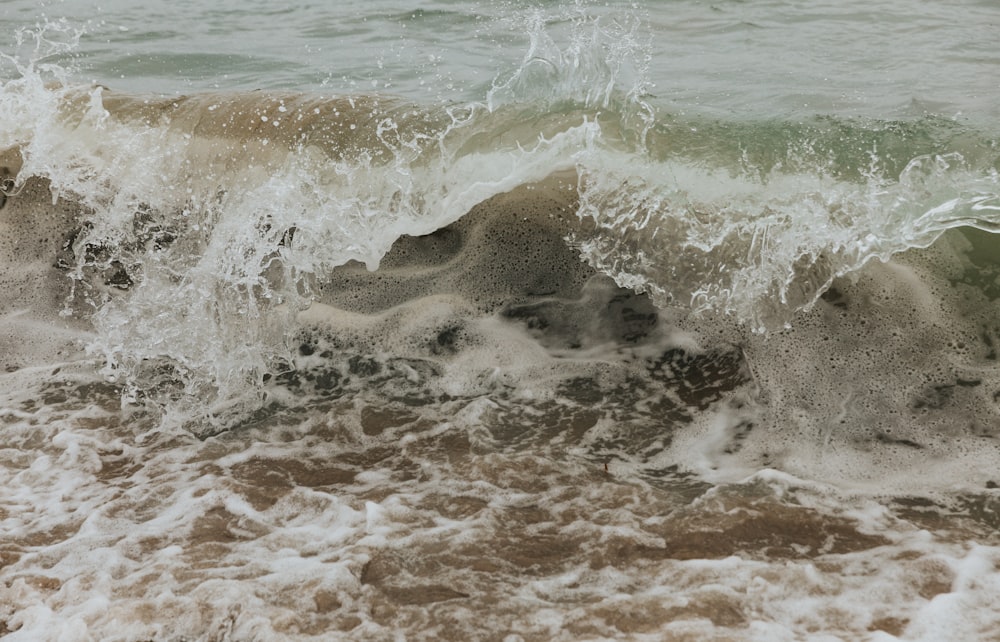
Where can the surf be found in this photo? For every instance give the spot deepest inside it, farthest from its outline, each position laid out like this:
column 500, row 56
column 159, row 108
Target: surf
column 538, row 321
column 203, row 241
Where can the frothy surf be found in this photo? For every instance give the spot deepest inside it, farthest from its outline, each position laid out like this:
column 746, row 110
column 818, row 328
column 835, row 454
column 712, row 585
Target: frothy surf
column 293, row 365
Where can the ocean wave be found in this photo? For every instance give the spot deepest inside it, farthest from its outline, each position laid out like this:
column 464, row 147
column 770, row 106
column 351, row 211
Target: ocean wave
column 202, row 226
column 533, row 348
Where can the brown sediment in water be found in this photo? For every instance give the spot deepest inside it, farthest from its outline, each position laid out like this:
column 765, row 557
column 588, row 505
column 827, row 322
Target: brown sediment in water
column 976, row 514
column 648, row 616
column 283, row 472
column 485, row 536
column 261, row 126
column 891, row 625
column 454, row 523
column 11, row 161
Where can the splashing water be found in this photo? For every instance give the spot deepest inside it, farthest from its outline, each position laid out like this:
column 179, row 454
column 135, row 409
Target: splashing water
column 540, row 346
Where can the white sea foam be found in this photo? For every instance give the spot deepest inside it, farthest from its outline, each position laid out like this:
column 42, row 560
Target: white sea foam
column 349, row 377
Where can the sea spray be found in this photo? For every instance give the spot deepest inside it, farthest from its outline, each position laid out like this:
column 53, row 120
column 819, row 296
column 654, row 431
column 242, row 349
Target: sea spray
column 760, row 249
column 211, row 214
column 378, row 380
column 207, row 224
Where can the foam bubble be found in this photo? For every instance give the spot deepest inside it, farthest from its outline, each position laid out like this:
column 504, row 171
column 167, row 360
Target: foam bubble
column 371, row 388
column 32, row 238
column 892, row 372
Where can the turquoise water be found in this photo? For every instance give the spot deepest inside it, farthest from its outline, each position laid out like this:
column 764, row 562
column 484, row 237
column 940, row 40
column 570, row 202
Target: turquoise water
column 506, row 320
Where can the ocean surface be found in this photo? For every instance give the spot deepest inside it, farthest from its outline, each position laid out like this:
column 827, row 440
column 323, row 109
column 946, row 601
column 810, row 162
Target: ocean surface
column 511, row 321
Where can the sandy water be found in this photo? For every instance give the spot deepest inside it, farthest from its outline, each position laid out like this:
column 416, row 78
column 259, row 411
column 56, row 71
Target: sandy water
column 499, row 321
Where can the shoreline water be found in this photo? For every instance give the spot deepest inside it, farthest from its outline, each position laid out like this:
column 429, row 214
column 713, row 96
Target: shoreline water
column 624, row 323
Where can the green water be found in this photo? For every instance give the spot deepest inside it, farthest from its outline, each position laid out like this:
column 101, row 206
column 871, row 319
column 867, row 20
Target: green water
column 888, row 59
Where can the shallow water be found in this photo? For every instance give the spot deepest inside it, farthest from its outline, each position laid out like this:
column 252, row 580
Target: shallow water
column 513, row 321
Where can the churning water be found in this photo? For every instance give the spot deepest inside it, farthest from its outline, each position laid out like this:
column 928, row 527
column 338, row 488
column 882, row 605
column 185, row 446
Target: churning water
column 499, row 320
